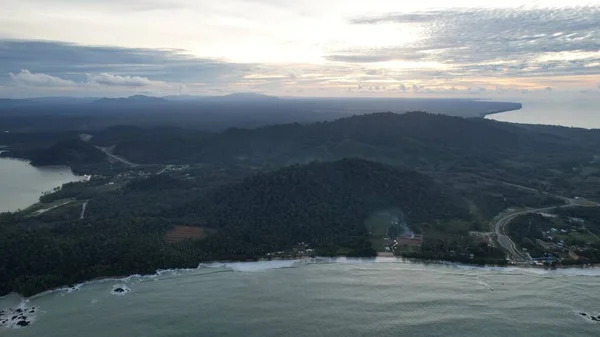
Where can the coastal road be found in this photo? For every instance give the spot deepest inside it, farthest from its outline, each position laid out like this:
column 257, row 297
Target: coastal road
column 115, row 157
column 164, row 169
column 504, row 240
column 44, row 210
column 107, row 151
column 83, row 206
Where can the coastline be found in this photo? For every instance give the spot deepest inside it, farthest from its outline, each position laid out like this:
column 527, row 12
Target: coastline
column 485, row 114
column 42, row 188
column 291, row 262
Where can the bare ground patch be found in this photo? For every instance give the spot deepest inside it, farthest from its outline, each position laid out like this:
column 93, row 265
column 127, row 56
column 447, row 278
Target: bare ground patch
column 180, row 233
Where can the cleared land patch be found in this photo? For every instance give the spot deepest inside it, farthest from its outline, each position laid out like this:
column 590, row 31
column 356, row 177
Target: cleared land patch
column 181, row 233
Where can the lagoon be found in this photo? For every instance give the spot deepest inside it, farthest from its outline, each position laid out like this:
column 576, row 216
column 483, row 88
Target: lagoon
column 21, row 184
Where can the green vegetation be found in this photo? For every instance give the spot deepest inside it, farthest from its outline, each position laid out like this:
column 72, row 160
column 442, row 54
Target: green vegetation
column 568, row 235
column 383, row 224
column 68, row 152
column 281, row 187
column 123, row 232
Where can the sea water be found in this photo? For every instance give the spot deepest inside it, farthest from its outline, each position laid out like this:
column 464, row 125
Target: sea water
column 582, row 112
column 323, row 297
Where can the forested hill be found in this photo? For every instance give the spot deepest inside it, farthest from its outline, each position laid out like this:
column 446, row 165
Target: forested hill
column 68, row 152
column 324, row 204
column 442, row 146
column 413, row 139
column 123, row 232
column 297, row 188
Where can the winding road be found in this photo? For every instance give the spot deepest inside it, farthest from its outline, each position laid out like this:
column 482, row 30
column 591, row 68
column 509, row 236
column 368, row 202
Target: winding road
column 115, row 157
column 504, row 240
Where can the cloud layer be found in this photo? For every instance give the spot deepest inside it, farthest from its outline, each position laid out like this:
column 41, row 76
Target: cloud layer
column 306, row 47
column 25, row 77
column 498, row 42
column 123, row 81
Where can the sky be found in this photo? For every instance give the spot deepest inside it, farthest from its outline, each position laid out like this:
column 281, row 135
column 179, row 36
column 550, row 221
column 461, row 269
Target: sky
column 340, row 48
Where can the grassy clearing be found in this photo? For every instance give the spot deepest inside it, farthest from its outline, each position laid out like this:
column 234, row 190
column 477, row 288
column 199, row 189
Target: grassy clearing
column 40, row 207
column 378, row 224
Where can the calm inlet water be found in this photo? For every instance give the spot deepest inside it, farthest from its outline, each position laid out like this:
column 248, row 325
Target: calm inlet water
column 21, row 184
column 324, row 298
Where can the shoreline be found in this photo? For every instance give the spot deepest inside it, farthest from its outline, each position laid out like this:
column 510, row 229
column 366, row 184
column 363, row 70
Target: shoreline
column 484, row 115
column 78, row 178
column 300, row 260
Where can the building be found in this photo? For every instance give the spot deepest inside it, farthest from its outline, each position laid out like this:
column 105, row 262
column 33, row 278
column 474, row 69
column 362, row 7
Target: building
column 410, row 240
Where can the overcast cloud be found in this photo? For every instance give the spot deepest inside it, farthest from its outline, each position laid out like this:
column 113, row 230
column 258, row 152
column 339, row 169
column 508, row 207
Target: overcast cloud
column 306, row 47
column 495, row 41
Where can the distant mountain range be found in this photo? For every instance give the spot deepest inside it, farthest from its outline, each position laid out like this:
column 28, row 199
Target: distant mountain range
column 238, row 96
column 136, row 99
column 215, row 113
column 234, row 97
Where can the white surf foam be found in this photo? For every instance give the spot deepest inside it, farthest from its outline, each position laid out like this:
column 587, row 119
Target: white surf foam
column 256, row 266
column 120, row 290
column 590, row 317
column 280, row 264
column 19, row 316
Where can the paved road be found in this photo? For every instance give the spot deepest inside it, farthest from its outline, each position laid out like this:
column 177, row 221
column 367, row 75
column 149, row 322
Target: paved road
column 513, row 252
column 83, row 206
column 44, row 210
column 164, row 169
column 115, row 157
column 596, row 236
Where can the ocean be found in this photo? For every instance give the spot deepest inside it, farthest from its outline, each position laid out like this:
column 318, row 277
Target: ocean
column 322, row 297
column 581, row 112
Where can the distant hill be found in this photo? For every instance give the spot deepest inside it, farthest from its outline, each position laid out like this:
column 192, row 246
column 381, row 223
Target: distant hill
column 324, row 204
column 12, row 103
column 63, row 100
column 215, row 113
column 414, row 140
column 68, row 152
column 234, row 97
column 137, row 99
column 249, row 96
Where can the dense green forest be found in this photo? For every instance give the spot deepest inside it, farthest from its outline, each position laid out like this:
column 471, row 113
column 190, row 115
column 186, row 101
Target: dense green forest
column 68, row 152
column 212, row 113
column 321, row 204
column 413, row 139
column 252, row 192
column 555, row 159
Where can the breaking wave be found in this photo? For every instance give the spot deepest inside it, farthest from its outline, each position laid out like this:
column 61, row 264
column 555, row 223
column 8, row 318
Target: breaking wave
column 16, row 312
column 259, row 266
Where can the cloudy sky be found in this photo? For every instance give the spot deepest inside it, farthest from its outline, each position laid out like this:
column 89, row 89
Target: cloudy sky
column 300, row 48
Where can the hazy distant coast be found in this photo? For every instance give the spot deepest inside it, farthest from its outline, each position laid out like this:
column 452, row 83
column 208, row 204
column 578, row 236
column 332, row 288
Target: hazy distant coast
column 580, row 113
column 502, row 107
column 515, row 108
column 219, row 113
